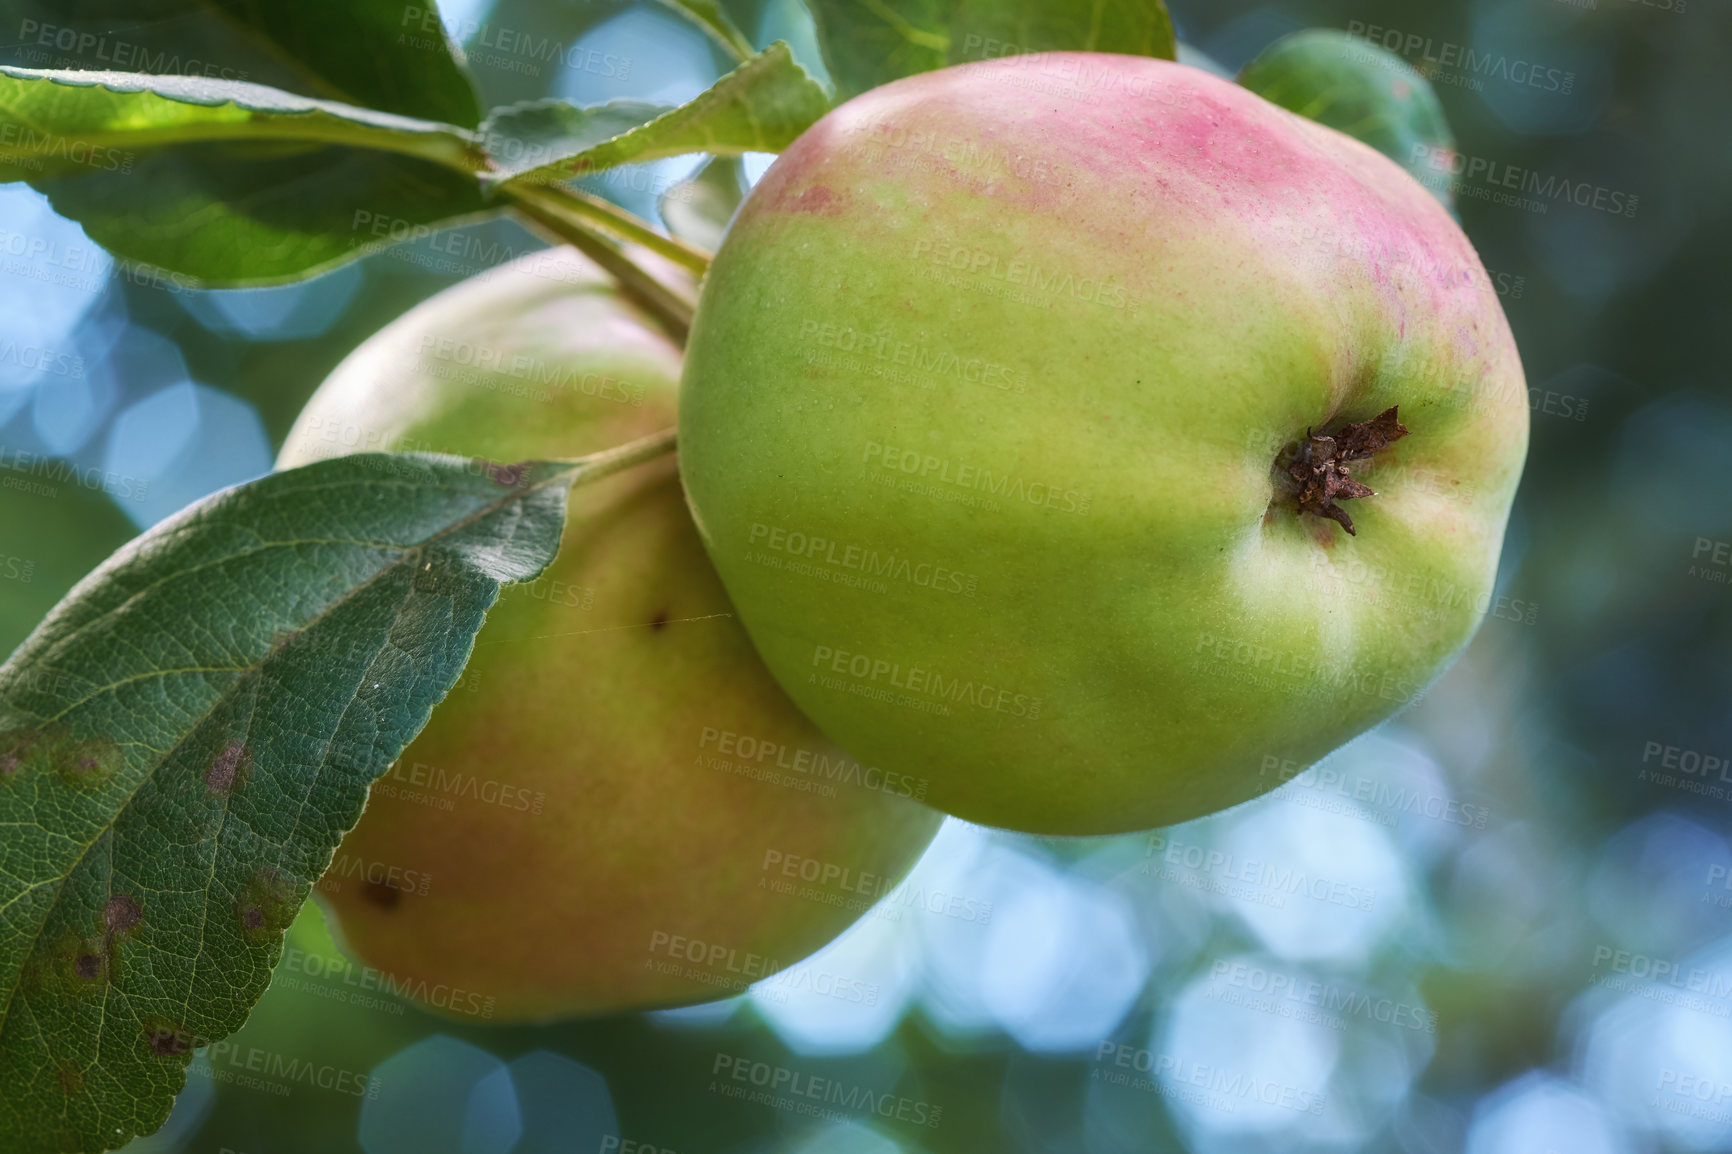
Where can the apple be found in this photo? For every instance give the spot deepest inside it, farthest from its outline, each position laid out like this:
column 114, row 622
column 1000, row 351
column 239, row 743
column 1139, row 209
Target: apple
column 1090, row 437
column 601, row 814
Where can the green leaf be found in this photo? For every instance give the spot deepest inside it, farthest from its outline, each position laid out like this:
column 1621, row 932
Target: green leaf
column 540, row 135
column 219, row 217
column 229, row 182
column 699, row 209
column 383, row 54
column 188, row 735
column 65, row 122
column 867, row 43
column 708, row 15
column 1358, row 88
column 761, row 106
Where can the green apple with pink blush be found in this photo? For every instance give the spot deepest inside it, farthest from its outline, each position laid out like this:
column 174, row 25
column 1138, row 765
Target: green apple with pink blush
column 596, row 818
column 1083, row 453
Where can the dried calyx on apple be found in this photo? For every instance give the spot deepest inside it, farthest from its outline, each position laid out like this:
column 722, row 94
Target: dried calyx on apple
column 1316, row 471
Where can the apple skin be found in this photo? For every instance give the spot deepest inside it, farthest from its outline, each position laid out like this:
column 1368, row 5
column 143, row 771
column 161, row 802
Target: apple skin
column 1046, row 323
column 561, row 809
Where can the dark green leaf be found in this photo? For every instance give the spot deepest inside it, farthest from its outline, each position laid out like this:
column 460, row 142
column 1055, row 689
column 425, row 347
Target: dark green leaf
column 222, row 215
column 383, row 54
column 188, row 735
column 761, row 106
column 228, row 182
column 871, row 42
column 1358, row 88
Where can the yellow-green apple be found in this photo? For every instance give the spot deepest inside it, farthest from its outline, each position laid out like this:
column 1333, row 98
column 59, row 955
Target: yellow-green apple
column 1032, row 416
column 601, row 814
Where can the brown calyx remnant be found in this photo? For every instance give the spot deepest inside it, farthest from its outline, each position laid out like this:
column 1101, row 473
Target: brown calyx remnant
column 1317, row 468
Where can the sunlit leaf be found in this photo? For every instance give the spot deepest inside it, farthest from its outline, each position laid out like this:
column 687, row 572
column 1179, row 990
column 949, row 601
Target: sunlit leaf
column 761, row 106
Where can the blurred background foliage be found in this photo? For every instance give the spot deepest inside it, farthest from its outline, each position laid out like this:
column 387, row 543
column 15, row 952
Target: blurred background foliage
column 1515, row 933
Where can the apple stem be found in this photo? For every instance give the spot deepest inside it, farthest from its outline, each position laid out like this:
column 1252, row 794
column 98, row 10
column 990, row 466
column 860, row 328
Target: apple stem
column 670, row 310
column 595, row 466
column 1316, row 469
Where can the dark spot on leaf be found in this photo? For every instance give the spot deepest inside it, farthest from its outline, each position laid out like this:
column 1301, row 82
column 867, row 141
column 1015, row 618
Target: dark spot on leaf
column 17, row 748
column 71, row 1078
column 384, row 896
column 226, row 767
column 70, row 965
column 661, row 621
column 121, row 913
column 267, row 904
column 508, row 475
column 87, row 764
column 167, row 1039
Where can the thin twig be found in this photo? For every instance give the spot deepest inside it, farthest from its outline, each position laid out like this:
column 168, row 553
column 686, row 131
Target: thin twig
column 672, row 311
column 606, row 463
column 562, row 201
